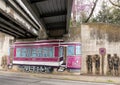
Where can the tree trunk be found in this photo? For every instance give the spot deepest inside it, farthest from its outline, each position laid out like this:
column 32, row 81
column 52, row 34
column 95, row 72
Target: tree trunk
column 91, row 11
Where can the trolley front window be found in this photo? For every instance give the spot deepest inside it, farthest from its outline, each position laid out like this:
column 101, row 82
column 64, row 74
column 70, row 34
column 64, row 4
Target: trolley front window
column 78, row 50
column 70, row 50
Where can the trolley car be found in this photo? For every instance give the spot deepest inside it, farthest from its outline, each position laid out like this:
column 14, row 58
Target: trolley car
column 45, row 55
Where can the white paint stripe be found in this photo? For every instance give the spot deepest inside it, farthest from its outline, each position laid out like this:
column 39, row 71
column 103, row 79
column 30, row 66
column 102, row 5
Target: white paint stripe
column 38, row 63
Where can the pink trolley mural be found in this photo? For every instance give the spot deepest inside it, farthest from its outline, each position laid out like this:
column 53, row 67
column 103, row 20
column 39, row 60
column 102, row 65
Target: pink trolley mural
column 46, row 55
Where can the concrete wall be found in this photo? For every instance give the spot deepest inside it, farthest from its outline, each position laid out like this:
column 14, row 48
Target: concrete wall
column 96, row 36
column 74, row 35
column 4, row 45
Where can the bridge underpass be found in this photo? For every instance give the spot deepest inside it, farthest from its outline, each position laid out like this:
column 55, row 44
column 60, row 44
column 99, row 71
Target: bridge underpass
column 26, row 18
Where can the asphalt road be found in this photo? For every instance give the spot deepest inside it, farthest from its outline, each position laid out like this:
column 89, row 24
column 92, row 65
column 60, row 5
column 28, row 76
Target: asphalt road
column 12, row 80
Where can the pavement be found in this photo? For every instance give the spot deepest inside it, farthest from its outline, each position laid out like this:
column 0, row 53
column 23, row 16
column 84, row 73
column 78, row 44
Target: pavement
column 14, row 80
column 96, row 79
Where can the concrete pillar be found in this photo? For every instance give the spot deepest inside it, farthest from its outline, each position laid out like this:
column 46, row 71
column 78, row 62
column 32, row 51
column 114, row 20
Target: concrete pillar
column 83, row 65
column 105, row 65
column 93, row 68
column 100, row 65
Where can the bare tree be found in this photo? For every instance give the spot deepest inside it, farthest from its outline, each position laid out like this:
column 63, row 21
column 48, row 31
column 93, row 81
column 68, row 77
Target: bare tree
column 113, row 3
column 95, row 3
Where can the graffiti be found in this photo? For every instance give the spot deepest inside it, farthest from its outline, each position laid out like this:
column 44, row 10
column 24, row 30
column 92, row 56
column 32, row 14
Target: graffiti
column 97, row 64
column 4, row 62
column 116, row 64
column 113, row 64
column 93, row 59
column 89, row 63
column 110, row 64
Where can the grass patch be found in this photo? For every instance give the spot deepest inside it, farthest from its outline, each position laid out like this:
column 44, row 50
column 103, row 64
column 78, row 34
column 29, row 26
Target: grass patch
column 110, row 81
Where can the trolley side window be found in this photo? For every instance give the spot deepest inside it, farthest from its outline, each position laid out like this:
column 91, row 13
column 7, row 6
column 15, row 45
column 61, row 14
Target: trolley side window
column 18, row 52
column 50, row 52
column 23, row 52
column 45, row 52
column 40, row 52
column 70, row 50
column 29, row 52
column 34, row 52
column 60, row 51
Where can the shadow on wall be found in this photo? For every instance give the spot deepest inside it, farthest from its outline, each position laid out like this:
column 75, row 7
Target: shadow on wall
column 93, row 63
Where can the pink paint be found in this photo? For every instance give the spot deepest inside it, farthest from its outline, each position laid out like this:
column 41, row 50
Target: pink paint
column 102, row 51
column 15, row 52
column 74, row 62
column 56, row 51
column 35, row 45
column 41, row 41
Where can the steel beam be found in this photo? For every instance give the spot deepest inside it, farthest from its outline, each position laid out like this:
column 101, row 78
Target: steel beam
column 36, row 1
column 7, row 17
column 36, row 27
column 8, row 32
column 54, row 14
column 34, row 11
column 54, row 23
column 12, row 26
column 56, row 28
column 16, row 9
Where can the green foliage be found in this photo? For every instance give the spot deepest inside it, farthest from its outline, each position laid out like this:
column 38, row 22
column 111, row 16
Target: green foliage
column 108, row 15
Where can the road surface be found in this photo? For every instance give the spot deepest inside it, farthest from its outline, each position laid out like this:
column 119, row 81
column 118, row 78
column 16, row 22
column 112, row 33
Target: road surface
column 15, row 80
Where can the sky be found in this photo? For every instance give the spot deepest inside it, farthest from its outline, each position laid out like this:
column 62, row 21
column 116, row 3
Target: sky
column 86, row 5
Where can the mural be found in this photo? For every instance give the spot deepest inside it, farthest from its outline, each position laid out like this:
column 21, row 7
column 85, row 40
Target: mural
column 113, row 64
column 116, row 64
column 95, row 61
column 97, row 64
column 4, row 62
column 47, row 55
column 110, row 64
column 89, row 63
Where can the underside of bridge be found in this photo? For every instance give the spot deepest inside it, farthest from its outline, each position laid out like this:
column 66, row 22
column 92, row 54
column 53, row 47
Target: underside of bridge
column 51, row 15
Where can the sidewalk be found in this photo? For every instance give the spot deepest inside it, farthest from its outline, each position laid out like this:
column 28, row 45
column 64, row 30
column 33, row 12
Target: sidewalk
column 105, row 79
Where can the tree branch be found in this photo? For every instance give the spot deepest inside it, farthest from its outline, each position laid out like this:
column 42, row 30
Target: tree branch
column 114, row 4
column 91, row 11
